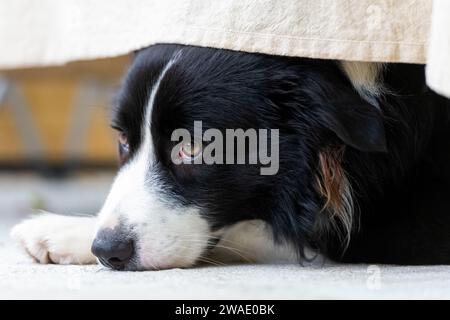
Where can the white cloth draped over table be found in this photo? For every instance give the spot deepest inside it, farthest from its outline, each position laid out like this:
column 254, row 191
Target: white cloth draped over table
column 52, row 32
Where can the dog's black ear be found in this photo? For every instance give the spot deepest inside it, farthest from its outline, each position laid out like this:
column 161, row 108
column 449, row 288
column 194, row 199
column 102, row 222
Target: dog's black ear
column 320, row 90
column 356, row 122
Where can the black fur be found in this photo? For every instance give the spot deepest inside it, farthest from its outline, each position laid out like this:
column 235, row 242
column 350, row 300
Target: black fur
column 397, row 159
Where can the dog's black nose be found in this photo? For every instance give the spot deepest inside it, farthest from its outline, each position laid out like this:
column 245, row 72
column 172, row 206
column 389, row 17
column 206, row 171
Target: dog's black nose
column 112, row 249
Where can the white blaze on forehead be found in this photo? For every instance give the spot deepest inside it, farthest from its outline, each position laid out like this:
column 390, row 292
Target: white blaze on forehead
column 134, row 173
column 147, row 143
column 166, row 233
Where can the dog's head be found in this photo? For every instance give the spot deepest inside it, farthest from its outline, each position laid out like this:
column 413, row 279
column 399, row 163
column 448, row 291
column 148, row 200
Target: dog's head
column 169, row 204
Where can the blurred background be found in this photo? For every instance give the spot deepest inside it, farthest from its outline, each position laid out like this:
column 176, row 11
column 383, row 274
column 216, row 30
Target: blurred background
column 57, row 151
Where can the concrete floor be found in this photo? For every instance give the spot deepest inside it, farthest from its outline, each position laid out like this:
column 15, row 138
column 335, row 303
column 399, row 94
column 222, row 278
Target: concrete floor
column 21, row 278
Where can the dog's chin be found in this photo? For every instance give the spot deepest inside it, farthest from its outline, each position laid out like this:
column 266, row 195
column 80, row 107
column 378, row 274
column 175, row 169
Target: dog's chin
column 144, row 262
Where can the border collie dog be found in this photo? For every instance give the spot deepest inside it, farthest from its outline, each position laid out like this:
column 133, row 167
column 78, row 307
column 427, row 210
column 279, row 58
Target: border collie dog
column 363, row 173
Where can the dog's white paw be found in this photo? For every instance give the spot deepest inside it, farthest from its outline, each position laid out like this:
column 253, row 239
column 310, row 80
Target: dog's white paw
column 51, row 238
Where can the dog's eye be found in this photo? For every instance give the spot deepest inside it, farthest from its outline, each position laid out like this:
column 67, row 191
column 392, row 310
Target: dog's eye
column 190, row 151
column 123, row 143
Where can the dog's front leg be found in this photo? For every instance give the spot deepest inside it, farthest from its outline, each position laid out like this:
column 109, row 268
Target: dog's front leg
column 51, row 238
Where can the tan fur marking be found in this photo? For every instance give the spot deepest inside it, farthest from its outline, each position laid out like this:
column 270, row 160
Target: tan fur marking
column 333, row 185
column 330, row 179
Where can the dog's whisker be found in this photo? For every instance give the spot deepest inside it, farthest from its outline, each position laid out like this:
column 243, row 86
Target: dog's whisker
column 211, row 261
column 241, row 253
